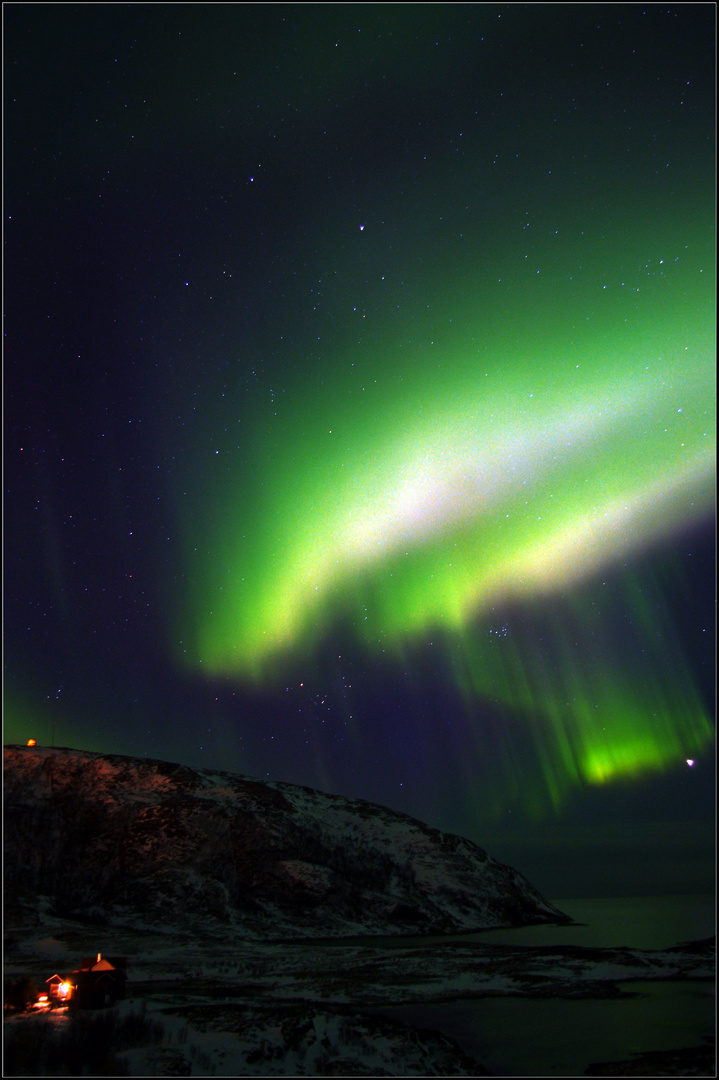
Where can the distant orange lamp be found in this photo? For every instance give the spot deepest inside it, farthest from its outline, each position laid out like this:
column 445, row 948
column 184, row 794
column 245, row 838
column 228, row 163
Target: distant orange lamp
column 32, row 742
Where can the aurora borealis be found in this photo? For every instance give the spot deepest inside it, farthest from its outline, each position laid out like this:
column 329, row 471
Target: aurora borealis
column 360, row 401
column 445, row 489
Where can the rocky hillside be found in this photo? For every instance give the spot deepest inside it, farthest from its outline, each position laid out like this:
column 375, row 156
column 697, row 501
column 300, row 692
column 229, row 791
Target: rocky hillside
column 141, row 843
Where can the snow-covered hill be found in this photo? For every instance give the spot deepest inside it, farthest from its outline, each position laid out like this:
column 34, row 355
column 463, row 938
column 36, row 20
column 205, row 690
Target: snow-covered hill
column 148, row 844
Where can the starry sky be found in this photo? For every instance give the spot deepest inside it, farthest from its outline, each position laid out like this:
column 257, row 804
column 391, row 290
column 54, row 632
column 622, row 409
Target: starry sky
column 359, row 387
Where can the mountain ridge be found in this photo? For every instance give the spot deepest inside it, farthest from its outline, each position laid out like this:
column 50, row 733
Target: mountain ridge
column 147, row 843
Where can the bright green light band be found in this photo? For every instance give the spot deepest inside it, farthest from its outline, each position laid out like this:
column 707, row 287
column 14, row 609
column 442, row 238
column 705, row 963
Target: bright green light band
column 437, row 469
column 409, row 521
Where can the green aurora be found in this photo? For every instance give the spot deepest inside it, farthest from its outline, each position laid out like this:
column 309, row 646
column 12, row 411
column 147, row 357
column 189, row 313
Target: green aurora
column 538, row 422
column 360, row 398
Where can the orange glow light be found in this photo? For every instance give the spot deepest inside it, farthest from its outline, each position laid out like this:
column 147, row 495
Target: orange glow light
column 32, row 742
column 63, row 989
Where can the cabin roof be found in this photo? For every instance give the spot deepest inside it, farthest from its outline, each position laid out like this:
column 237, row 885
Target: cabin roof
column 104, row 963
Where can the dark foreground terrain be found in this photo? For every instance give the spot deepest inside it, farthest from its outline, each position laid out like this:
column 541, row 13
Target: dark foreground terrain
column 688, row 1061
column 312, row 1008
column 268, row 928
column 193, row 851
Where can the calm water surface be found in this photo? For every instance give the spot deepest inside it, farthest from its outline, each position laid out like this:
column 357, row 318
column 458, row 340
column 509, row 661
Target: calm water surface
column 654, row 922
column 558, row 1037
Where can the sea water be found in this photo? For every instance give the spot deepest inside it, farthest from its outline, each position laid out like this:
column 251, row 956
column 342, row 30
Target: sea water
column 561, row 1037
column 654, row 922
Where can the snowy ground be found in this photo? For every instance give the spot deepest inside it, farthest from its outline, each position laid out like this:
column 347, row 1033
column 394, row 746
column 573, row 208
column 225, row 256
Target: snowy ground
column 241, row 1008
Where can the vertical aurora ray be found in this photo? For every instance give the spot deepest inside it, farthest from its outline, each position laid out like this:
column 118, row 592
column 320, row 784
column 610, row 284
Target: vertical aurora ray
column 503, row 448
column 600, row 679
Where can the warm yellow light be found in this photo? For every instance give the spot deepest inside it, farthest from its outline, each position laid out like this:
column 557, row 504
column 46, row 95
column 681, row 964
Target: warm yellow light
column 32, row 742
column 64, row 989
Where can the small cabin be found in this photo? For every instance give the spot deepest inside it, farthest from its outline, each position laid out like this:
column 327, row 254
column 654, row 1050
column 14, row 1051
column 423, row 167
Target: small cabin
column 59, row 988
column 99, row 981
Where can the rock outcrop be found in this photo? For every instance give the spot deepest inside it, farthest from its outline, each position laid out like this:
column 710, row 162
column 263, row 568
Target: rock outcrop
column 149, row 844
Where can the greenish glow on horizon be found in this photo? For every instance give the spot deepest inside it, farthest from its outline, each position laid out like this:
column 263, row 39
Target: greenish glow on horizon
column 600, row 677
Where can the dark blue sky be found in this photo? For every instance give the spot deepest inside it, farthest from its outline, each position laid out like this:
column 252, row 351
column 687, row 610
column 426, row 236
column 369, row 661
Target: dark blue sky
column 207, row 207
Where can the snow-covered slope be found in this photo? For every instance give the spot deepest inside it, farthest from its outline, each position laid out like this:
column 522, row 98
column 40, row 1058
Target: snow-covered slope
column 143, row 843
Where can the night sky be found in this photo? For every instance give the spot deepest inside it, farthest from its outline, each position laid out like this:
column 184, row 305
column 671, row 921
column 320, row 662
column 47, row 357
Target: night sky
column 359, row 373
